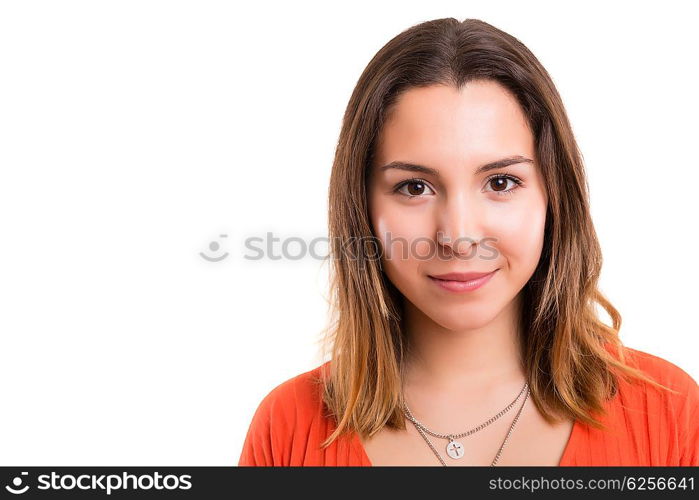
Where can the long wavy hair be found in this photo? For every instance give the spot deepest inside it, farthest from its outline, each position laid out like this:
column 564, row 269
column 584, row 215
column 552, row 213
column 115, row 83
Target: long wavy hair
column 571, row 358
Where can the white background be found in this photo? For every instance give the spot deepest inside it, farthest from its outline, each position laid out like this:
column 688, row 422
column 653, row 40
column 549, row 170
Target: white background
column 133, row 133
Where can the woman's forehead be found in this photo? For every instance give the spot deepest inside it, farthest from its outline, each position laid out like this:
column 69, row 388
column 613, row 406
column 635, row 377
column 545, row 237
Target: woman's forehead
column 443, row 125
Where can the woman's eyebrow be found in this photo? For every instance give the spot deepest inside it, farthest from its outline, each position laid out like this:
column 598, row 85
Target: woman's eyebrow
column 501, row 163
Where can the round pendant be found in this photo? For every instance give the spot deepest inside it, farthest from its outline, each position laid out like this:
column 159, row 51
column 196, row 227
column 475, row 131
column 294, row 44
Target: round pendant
column 455, row 449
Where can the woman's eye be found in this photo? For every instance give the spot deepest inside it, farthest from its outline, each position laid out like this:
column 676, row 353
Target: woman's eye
column 499, row 183
column 412, row 188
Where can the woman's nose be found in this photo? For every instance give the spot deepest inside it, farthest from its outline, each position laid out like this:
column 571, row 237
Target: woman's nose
column 460, row 225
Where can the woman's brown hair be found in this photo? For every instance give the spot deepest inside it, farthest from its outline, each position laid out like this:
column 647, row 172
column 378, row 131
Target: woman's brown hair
column 572, row 359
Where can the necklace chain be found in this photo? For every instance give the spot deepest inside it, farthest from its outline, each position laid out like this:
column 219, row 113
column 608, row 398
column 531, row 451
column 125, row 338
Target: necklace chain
column 467, row 433
column 423, row 430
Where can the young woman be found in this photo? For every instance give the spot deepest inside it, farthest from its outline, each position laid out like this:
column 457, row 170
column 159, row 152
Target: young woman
column 465, row 270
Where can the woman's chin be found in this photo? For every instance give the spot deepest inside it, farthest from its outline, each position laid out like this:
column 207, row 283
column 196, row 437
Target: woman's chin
column 462, row 320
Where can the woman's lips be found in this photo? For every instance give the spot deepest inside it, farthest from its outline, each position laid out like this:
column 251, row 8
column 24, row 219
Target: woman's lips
column 462, row 282
column 461, row 276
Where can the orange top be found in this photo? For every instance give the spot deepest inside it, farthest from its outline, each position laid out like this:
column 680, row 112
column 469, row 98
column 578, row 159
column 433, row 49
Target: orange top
column 645, row 426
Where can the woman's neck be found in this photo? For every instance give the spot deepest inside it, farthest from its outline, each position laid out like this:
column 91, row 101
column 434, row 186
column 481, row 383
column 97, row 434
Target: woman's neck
column 471, row 360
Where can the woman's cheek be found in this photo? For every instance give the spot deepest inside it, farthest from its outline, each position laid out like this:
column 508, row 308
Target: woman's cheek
column 404, row 236
column 520, row 240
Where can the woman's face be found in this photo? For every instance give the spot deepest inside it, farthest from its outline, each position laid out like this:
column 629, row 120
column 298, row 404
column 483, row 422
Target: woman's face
column 457, row 217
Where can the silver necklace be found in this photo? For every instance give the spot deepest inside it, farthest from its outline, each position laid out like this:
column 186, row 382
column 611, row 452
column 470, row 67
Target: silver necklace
column 454, row 448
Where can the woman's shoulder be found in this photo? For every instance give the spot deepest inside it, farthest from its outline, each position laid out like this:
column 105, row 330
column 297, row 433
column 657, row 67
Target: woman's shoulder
column 661, row 370
column 287, row 423
column 644, row 424
column 651, row 425
column 641, row 399
column 297, row 396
